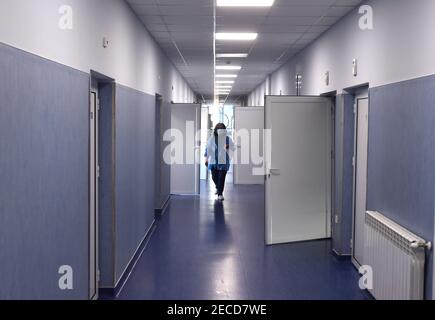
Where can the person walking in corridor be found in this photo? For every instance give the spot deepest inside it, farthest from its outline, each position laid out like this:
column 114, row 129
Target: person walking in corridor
column 217, row 157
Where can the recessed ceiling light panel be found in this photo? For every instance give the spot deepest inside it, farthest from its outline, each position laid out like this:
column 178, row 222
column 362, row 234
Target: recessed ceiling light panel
column 245, row 3
column 226, row 76
column 225, row 81
column 231, row 55
column 228, row 67
column 236, row 36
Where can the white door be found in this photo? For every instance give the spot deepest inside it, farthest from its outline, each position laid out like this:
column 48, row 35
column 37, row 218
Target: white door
column 93, row 196
column 185, row 171
column 249, row 125
column 298, row 166
column 362, row 127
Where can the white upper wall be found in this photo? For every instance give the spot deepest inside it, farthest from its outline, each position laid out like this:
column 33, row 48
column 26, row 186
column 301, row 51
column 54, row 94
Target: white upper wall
column 133, row 58
column 400, row 47
column 257, row 96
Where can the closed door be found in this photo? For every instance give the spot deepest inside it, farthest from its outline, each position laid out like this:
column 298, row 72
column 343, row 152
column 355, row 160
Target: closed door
column 362, row 114
column 298, row 165
column 249, row 125
column 185, row 171
column 93, row 196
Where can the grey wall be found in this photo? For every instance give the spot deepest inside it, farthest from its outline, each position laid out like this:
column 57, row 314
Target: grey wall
column 135, row 147
column 163, row 170
column 127, row 190
column 106, row 184
column 44, row 199
column 132, row 58
column 401, row 158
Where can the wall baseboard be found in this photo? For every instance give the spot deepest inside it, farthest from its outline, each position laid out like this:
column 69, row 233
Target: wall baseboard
column 114, row 292
column 341, row 256
column 160, row 212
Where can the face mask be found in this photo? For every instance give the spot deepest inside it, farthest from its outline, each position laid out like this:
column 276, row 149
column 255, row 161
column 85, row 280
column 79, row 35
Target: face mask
column 222, row 132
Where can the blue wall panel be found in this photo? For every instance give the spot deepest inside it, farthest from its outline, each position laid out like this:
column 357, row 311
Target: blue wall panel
column 44, row 130
column 135, row 157
column 106, row 186
column 165, row 169
column 401, row 158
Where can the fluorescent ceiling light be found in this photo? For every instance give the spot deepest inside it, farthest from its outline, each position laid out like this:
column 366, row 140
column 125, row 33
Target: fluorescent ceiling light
column 226, row 76
column 231, row 55
column 228, row 67
column 245, row 3
column 225, row 81
column 223, row 87
column 236, row 36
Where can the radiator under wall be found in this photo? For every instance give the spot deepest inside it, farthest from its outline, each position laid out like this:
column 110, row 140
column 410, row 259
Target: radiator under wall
column 397, row 258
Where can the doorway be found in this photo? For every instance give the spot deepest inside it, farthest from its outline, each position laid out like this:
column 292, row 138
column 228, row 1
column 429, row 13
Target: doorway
column 249, row 128
column 298, row 168
column 185, row 169
column 360, row 174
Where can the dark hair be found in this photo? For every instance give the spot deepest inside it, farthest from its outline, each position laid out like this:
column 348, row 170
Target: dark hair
column 219, row 126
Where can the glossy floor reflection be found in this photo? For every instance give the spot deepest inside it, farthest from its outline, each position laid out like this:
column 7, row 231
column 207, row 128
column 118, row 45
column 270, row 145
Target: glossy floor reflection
column 203, row 249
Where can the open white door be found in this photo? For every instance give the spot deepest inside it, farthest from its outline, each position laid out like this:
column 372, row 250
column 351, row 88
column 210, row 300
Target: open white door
column 298, row 166
column 249, row 126
column 185, row 173
column 360, row 187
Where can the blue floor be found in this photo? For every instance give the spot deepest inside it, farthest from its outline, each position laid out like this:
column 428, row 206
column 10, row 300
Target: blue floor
column 203, row 249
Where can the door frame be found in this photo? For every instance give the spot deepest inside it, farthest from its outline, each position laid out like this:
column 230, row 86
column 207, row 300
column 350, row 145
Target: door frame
column 360, row 94
column 97, row 86
column 158, row 206
column 333, row 96
column 93, row 191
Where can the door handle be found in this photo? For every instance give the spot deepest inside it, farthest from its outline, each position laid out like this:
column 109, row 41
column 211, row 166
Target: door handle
column 275, row 172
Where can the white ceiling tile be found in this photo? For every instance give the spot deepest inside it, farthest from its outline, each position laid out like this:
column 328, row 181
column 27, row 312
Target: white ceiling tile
column 284, row 29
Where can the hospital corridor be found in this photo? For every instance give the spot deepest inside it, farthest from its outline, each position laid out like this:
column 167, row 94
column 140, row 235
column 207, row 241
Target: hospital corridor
column 217, row 158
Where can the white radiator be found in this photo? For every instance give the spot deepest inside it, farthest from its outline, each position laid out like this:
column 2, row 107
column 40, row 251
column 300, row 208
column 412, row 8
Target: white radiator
column 397, row 259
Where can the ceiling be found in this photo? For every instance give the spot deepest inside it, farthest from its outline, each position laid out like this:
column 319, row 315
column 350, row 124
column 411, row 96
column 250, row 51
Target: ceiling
column 185, row 31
